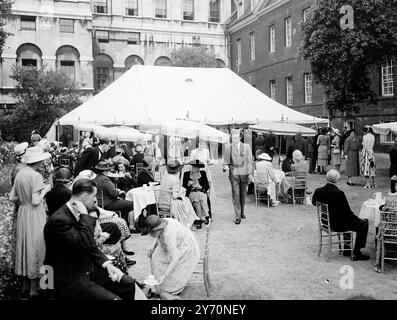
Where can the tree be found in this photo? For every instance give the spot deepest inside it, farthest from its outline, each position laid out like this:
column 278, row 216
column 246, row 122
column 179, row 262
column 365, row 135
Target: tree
column 5, row 11
column 41, row 97
column 196, row 57
column 341, row 58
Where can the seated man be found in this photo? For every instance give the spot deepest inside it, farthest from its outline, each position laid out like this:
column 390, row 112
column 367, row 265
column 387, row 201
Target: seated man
column 340, row 215
column 138, row 157
column 146, row 174
column 264, row 177
column 81, row 270
column 60, row 193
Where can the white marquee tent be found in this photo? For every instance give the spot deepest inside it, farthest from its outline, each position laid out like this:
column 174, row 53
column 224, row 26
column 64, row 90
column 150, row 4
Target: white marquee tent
column 215, row 96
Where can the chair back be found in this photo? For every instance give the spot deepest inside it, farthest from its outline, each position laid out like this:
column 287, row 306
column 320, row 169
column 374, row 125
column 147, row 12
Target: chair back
column 299, row 179
column 100, row 198
column 64, row 162
column 138, row 168
column 163, row 200
column 389, row 224
column 323, row 217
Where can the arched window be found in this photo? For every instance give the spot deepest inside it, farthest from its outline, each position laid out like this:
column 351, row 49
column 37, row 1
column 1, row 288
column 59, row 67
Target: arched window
column 163, row 61
column 67, row 60
column 220, row 63
column 132, row 61
column 29, row 55
column 103, row 66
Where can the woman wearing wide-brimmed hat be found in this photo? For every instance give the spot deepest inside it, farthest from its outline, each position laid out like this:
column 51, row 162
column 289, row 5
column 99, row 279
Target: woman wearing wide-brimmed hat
column 335, row 148
column 197, row 185
column 181, row 208
column 174, row 254
column 264, row 177
column 29, row 190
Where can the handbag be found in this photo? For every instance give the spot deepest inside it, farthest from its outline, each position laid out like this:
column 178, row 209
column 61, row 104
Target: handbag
column 336, row 151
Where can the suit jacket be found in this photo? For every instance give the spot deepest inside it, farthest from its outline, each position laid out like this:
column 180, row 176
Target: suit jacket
column 138, row 158
column 340, row 215
column 88, row 160
column 240, row 161
column 144, row 177
column 203, row 181
column 393, row 160
column 71, row 249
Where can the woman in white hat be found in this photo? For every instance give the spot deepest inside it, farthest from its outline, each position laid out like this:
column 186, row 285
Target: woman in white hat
column 19, row 151
column 29, row 190
column 264, row 177
column 335, row 148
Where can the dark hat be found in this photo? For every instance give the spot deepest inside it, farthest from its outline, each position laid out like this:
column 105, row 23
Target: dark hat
column 103, row 166
column 153, row 223
column 174, row 166
column 64, row 150
column 197, row 163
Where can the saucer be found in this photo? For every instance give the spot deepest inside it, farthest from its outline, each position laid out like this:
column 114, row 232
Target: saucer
column 150, row 283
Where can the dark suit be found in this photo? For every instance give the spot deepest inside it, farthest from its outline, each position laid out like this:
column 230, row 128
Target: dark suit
column 144, row 177
column 138, row 158
column 77, row 261
column 203, row 181
column 270, row 144
column 393, row 165
column 341, row 216
column 88, row 160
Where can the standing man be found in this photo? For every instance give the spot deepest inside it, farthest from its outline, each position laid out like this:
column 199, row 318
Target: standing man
column 91, row 156
column 270, row 143
column 238, row 159
column 393, row 165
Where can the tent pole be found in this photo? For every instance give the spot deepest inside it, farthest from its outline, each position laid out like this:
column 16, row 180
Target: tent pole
column 279, row 152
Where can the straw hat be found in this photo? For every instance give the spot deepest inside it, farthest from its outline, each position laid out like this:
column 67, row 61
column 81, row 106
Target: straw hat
column 103, row 166
column 86, row 174
column 20, row 149
column 336, row 130
column 174, row 166
column 264, row 156
column 197, row 163
column 153, row 223
column 297, row 155
column 34, row 154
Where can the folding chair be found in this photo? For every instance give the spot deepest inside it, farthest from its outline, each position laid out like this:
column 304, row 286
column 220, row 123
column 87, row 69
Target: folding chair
column 261, row 194
column 298, row 184
column 163, row 203
column 204, row 264
column 326, row 232
column 138, row 168
column 388, row 237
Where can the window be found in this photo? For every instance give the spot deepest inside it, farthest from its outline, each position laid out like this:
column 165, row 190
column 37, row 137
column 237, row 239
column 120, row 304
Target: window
column 214, row 11
column 28, row 23
column 306, row 13
column 160, row 10
column 288, row 32
column 67, row 67
column 308, row 87
column 240, row 8
column 272, row 36
column 273, row 89
column 102, row 76
column 133, row 37
column 188, row 9
column 131, row 8
column 102, row 36
column 29, row 63
column 196, row 40
column 390, row 137
column 100, row 6
column 252, row 45
column 289, row 91
column 238, row 52
column 66, row 25
column 387, row 78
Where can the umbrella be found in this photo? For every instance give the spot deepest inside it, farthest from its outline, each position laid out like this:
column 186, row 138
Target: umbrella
column 385, row 128
column 186, row 129
column 122, row 133
column 283, row 128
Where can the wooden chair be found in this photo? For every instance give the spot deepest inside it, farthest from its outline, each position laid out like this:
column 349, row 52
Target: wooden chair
column 203, row 265
column 326, row 232
column 64, row 162
column 261, row 194
column 138, row 168
column 163, row 203
column 388, row 237
column 298, row 186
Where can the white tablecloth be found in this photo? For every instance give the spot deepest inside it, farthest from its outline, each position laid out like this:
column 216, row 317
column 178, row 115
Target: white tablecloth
column 370, row 210
column 279, row 175
column 141, row 197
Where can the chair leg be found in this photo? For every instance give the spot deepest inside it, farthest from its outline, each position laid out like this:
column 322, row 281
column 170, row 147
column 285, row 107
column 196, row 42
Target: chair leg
column 340, row 244
column 320, row 243
column 382, row 260
column 329, row 247
column 206, row 277
column 351, row 245
column 256, row 197
column 268, row 201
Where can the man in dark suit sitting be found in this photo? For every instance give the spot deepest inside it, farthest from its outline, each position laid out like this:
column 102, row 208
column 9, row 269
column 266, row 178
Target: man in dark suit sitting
column 340, row 215
column 91, row 156
column 81, row 270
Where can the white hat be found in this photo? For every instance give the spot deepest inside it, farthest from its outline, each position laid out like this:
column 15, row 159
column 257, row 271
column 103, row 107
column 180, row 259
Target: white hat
column 86, row 174
column 336, row 130
column 297, row 154
column 20, row 149
column 264, row 156
column 35, row 154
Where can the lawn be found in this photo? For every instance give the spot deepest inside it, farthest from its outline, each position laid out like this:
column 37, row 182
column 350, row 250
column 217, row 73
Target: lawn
column 273, row 253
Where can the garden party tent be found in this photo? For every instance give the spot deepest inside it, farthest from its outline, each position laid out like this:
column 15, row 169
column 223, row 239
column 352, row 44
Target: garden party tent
column 385, row 128
column 283, row 128
column 215, row 96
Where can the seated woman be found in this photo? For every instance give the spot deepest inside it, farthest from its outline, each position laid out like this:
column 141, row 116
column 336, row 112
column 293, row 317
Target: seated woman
column 300, row 163
column 181, row 207
column 108, row 194
column 174, row 254
column 127, row 182
column 264, row 177
column 287, row 162
column 196, row 184
column 146, row 174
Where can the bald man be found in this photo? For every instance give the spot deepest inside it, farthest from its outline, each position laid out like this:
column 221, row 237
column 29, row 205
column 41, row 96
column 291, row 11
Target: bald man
column 341, row 216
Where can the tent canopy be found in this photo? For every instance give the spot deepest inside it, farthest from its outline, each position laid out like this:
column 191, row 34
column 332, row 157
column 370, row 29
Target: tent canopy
column 215, row 96
column 385, row 128
column 283, row 128
column 121, row 133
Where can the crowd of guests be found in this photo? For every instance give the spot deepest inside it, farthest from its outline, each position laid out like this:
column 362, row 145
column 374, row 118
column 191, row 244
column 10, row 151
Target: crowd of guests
column 73, row 216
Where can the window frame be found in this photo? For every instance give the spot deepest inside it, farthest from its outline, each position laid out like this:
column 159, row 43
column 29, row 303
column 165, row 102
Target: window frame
column 273, row 89
column 98, row 76
column 288, row 32
column 62, row 64
column 28, row 19
column 67, row 26
column 305, row 13
column 218, row 18
column 131, row 40
column 101, row 4
column 238, row 43
column 102, row 39
column 389, row 84
column 272, row 38
column 308, row 90
column 128, row 7
column 289, row 91
column 183, row 10
column 252, row 45
column 164, row 16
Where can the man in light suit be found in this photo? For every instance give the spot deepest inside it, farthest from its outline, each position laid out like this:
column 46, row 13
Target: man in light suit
column 238, row 159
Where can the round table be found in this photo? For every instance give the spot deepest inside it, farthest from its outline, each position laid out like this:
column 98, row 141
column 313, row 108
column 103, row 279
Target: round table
column 370, row 210
column 141, row 197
